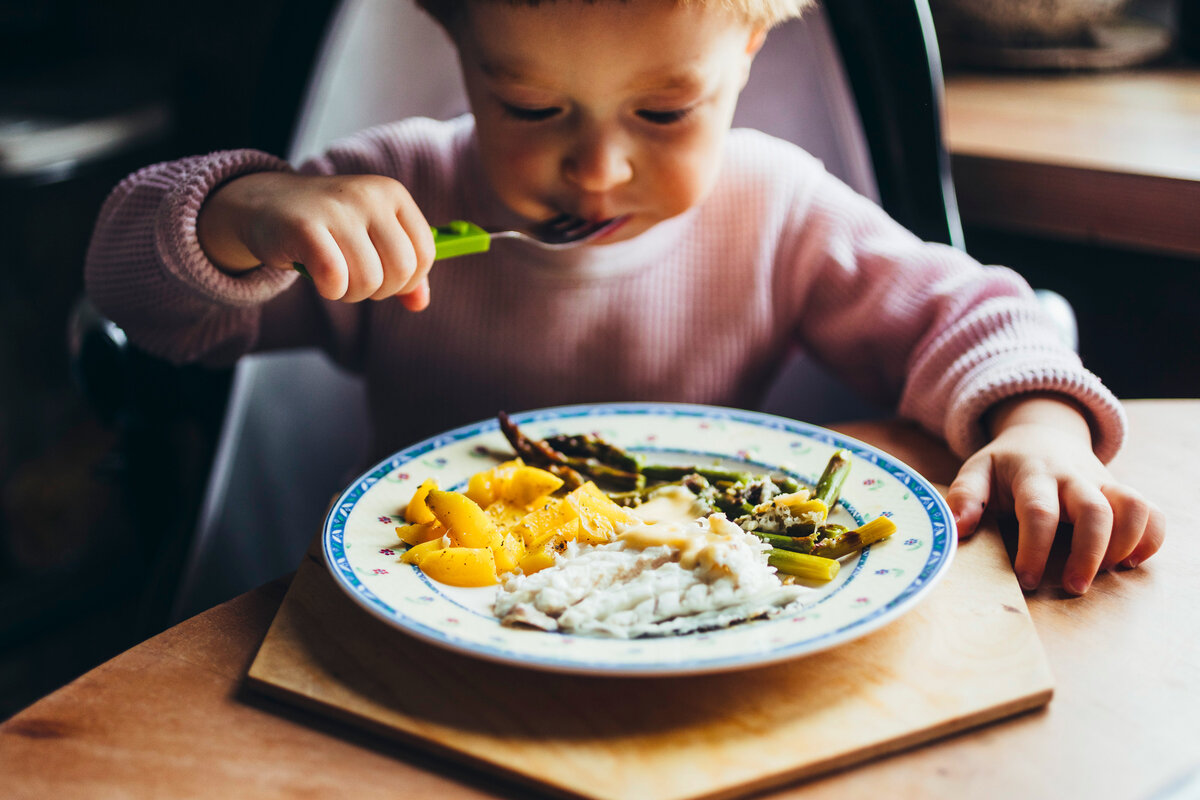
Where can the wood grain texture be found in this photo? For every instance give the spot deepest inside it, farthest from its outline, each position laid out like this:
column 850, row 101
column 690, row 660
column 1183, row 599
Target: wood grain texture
column 965, row 656
column 1140, row 122
column 1108, row 157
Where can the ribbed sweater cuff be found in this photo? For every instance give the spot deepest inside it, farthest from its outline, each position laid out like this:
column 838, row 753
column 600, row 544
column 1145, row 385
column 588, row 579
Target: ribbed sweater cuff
column 177, row 243
column 1004, row 376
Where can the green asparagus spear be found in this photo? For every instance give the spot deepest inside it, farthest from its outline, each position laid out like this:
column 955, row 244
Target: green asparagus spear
column 618, row 479
column 573, row 469
column 809, row 545
column 805, row 566
column 670, row 472
column 827, row 490
column 829, row 485
column 595, row 447
column 787, row 485
column 836, row 540
column 868, row 534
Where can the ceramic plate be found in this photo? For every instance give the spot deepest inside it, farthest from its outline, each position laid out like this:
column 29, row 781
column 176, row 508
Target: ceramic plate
column 872, row 589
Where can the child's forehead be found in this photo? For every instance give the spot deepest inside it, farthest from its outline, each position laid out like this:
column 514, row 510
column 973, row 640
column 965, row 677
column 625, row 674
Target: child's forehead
column 669, row 76
column 615, row 22
column 647, row 43
column 758, row 14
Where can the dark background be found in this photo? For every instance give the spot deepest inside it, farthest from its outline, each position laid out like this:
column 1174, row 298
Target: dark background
column 80, row 579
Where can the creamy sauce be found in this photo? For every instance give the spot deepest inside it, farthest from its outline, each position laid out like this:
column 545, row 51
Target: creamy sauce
column 704, row 545
column 669, row 504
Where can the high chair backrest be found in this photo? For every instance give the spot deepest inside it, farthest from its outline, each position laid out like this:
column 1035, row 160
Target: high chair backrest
column 279, row 462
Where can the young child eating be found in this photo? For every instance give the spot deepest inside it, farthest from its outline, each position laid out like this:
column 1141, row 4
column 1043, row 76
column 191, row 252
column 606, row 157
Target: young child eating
column 727, row 248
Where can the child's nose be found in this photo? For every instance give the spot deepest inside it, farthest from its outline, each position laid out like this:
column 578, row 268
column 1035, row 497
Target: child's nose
column 598, row 163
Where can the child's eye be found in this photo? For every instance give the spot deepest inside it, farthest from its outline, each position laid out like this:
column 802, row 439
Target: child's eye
column 529, row 114
column 664, row 117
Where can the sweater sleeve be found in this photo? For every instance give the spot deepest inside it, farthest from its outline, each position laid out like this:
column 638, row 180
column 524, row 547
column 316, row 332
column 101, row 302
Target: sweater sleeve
column 927, row 327
column 146, row 271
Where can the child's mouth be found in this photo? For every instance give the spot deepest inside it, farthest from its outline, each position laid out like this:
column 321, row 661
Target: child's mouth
column 608, row 227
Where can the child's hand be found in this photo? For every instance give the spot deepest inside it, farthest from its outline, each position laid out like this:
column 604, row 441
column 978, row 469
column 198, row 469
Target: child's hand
column 359, row 236
column 1040, row 464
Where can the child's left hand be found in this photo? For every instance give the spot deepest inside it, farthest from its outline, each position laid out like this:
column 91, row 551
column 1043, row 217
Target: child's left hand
column 1040, row 465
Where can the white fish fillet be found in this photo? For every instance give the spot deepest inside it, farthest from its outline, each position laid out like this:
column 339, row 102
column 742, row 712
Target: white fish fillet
column 621, row 591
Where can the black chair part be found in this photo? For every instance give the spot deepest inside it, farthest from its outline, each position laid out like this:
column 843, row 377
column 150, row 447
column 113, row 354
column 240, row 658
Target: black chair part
column 891, row 58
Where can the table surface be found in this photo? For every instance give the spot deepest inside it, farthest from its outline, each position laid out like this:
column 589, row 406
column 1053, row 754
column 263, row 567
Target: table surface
column 1111, row 157
column 172, row 718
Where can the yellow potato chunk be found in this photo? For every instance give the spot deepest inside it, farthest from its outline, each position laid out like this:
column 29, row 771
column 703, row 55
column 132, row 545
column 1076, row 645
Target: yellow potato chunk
column 488, row 486
column 416, row 512
column 480, row 489
column 507, row 519
column 598, row 515
column 421, row 532
column 466, row 523
column 509, row 554
column 504, row 515
column 461, row 566
column 526, row 485
column 538, row 526
column 417, row 553
column 539, row 558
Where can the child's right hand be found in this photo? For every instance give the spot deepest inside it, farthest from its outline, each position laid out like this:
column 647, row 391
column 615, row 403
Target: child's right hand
column 359, row 236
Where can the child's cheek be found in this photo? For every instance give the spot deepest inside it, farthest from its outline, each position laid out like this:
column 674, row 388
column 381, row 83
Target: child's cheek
column 528, row 179
column 689, row 180
column 526, row 163
column 518, row 175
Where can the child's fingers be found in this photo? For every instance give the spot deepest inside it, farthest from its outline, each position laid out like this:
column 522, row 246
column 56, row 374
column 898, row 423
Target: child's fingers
column 1035, row 499
column 418, row 298
column 420, row 238
column 1092, row 516
column 1152, row 538
column 968, row 494
column 1131, row 515
column 365, row 266
column 397, row 255
column 324, row 262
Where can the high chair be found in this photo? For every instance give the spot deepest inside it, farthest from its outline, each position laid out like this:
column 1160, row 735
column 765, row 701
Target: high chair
column 856, row 83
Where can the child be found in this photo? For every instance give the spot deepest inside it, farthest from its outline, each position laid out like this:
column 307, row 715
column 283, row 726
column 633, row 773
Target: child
column 728, row 247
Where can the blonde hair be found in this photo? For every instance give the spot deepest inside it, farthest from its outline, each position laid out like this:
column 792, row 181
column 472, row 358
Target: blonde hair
column 757, row 13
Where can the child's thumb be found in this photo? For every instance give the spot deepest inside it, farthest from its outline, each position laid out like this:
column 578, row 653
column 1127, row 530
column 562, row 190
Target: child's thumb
column 418, row 298
column 968, row 495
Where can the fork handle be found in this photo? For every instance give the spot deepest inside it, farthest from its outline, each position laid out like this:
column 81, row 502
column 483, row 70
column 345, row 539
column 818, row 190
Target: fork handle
column 459, row 238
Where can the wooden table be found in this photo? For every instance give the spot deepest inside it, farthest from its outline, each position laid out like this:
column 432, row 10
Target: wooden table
column 1103, row 157
column 171, row 718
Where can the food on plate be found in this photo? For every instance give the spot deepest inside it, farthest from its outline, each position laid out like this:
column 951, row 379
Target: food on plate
column 506, row 520
column 654, row 579
column 660, row 549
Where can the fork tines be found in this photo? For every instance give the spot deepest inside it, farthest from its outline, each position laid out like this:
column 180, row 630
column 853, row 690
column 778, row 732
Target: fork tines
column 566, row 227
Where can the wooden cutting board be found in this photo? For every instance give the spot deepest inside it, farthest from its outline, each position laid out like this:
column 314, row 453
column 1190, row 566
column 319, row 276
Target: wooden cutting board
column 965, row 656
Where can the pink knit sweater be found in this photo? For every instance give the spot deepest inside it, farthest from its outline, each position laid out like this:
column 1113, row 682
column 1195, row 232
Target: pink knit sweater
column 702, row 308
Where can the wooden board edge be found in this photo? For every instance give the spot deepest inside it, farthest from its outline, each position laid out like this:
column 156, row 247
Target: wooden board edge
column 897, row 746
column 777, row 780
column 417, row 743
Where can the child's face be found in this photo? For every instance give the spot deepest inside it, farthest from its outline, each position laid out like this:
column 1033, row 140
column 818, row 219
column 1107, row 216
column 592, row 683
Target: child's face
column 612, row 109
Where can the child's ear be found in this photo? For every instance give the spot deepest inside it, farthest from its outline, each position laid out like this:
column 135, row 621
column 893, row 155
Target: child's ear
column 758, row 37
